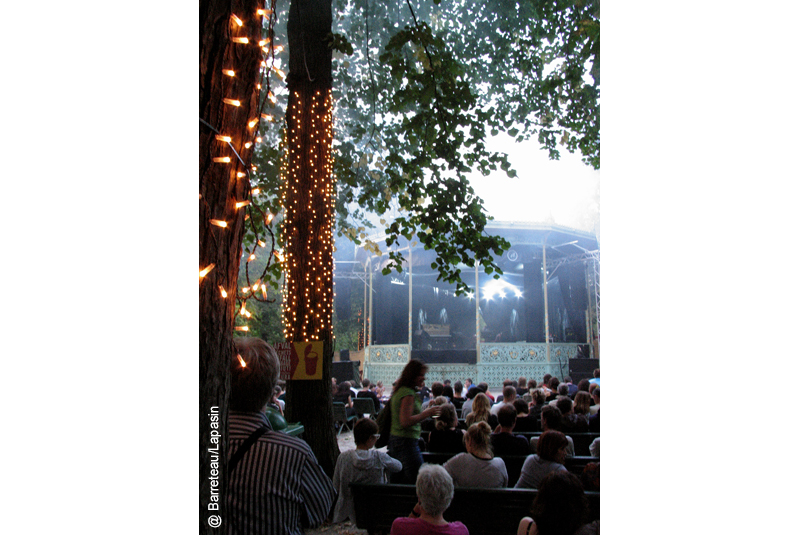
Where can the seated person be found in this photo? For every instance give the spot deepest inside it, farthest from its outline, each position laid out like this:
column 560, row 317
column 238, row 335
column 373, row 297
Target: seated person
column 429, row 424
column 458, row 399
column 525, row 423
column 434, row 492
column 367, row 392
column 551, row 450
column 571, row 422
column 553, row 389
column 275, row 402
column 590, row 477
column 344, row 395
column 559, row 508
column 583, row 404
column 485, row 388
column 536, row 404
column 437, row 389
column 448, row 392
column 277, row 484
column 522, row 386
column 595, row 408
column 503, row 441
column 594, row 423
column 478, row 467
column 466, row 407
column 509, row 395
column 561, row 392
column 447, row 437
column 551, row 421
column 594, row 448
column 480, row 412
column 361, row 465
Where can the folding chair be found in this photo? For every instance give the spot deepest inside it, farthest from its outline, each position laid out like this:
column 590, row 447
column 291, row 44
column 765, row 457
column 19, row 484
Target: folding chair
column 340, row 415
column 364, row 407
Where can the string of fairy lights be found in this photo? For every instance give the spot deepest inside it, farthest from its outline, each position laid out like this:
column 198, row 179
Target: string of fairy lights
column 307, row 198
column 259, row 289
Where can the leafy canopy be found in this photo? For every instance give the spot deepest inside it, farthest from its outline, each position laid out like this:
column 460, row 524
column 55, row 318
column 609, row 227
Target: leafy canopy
column 418, row 86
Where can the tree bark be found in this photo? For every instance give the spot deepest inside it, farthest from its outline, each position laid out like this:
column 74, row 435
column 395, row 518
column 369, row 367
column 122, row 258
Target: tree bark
column 308, row 198
column 220, row 188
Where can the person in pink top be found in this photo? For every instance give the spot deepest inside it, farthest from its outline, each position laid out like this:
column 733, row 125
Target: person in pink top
column 434, row 492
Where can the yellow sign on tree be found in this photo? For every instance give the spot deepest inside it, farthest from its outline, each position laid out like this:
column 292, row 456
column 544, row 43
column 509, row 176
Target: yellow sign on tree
column 300, row 360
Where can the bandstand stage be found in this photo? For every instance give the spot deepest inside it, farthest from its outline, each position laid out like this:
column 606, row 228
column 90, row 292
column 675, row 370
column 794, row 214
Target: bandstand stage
column 543, row 310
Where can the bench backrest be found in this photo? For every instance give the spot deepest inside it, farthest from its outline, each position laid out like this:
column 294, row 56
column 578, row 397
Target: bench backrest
column 514, row 463
column 483, row 511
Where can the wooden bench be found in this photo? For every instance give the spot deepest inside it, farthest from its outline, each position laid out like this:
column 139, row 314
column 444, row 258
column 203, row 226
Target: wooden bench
column 581, row 441
column 514, row 463
column 483, row 511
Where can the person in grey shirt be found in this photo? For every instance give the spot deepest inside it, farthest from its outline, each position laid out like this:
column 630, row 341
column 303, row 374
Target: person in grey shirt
column 478, row 467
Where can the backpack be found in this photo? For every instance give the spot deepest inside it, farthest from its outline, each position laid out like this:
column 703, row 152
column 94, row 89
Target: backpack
column 384, row 424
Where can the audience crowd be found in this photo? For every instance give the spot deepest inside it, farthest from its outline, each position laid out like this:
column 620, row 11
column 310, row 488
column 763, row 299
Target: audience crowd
column 462, row 419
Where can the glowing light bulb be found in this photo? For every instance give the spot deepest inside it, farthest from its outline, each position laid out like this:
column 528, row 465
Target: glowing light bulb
column 222, row 292
column 218, row 223
column 267, row 117
column 241, row 360
column 269, row 218
column 225, row 139
column 236, row 19
column 240, row 174
column 242, row 203
column 248, row 144
column 223, row 159
column 255, row 191
column 261, row 243
column 242, row 40
column 231, row 101
column 242, row 328
column 251, row 258
column 206, row 271
column 252, row 123
column 229, row 72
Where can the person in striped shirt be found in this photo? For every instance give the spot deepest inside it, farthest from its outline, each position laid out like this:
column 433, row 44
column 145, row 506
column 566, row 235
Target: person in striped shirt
column 276, row 486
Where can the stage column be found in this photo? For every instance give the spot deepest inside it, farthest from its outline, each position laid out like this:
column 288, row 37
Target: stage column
column 546, row 318
column 371, row 291
column 364, row 316
column 410, row 302
column 477, row 318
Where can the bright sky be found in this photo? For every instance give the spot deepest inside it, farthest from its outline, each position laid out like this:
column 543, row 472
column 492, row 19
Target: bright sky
column 565, row 190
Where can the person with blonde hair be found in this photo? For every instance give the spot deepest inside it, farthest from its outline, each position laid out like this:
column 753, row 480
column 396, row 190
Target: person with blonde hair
column 481, row 412
column 478, row 467
column 434, row 494
column 583, row 403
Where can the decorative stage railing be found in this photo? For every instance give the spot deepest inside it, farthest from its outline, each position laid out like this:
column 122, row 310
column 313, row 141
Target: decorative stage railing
column 496, row 363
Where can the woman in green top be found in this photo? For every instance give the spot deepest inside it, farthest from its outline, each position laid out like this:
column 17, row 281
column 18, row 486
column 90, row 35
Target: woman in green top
column 407, row 414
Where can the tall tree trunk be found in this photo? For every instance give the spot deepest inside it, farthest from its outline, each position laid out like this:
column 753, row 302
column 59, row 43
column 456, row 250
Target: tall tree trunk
column 221, row 186
column 308, row 198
